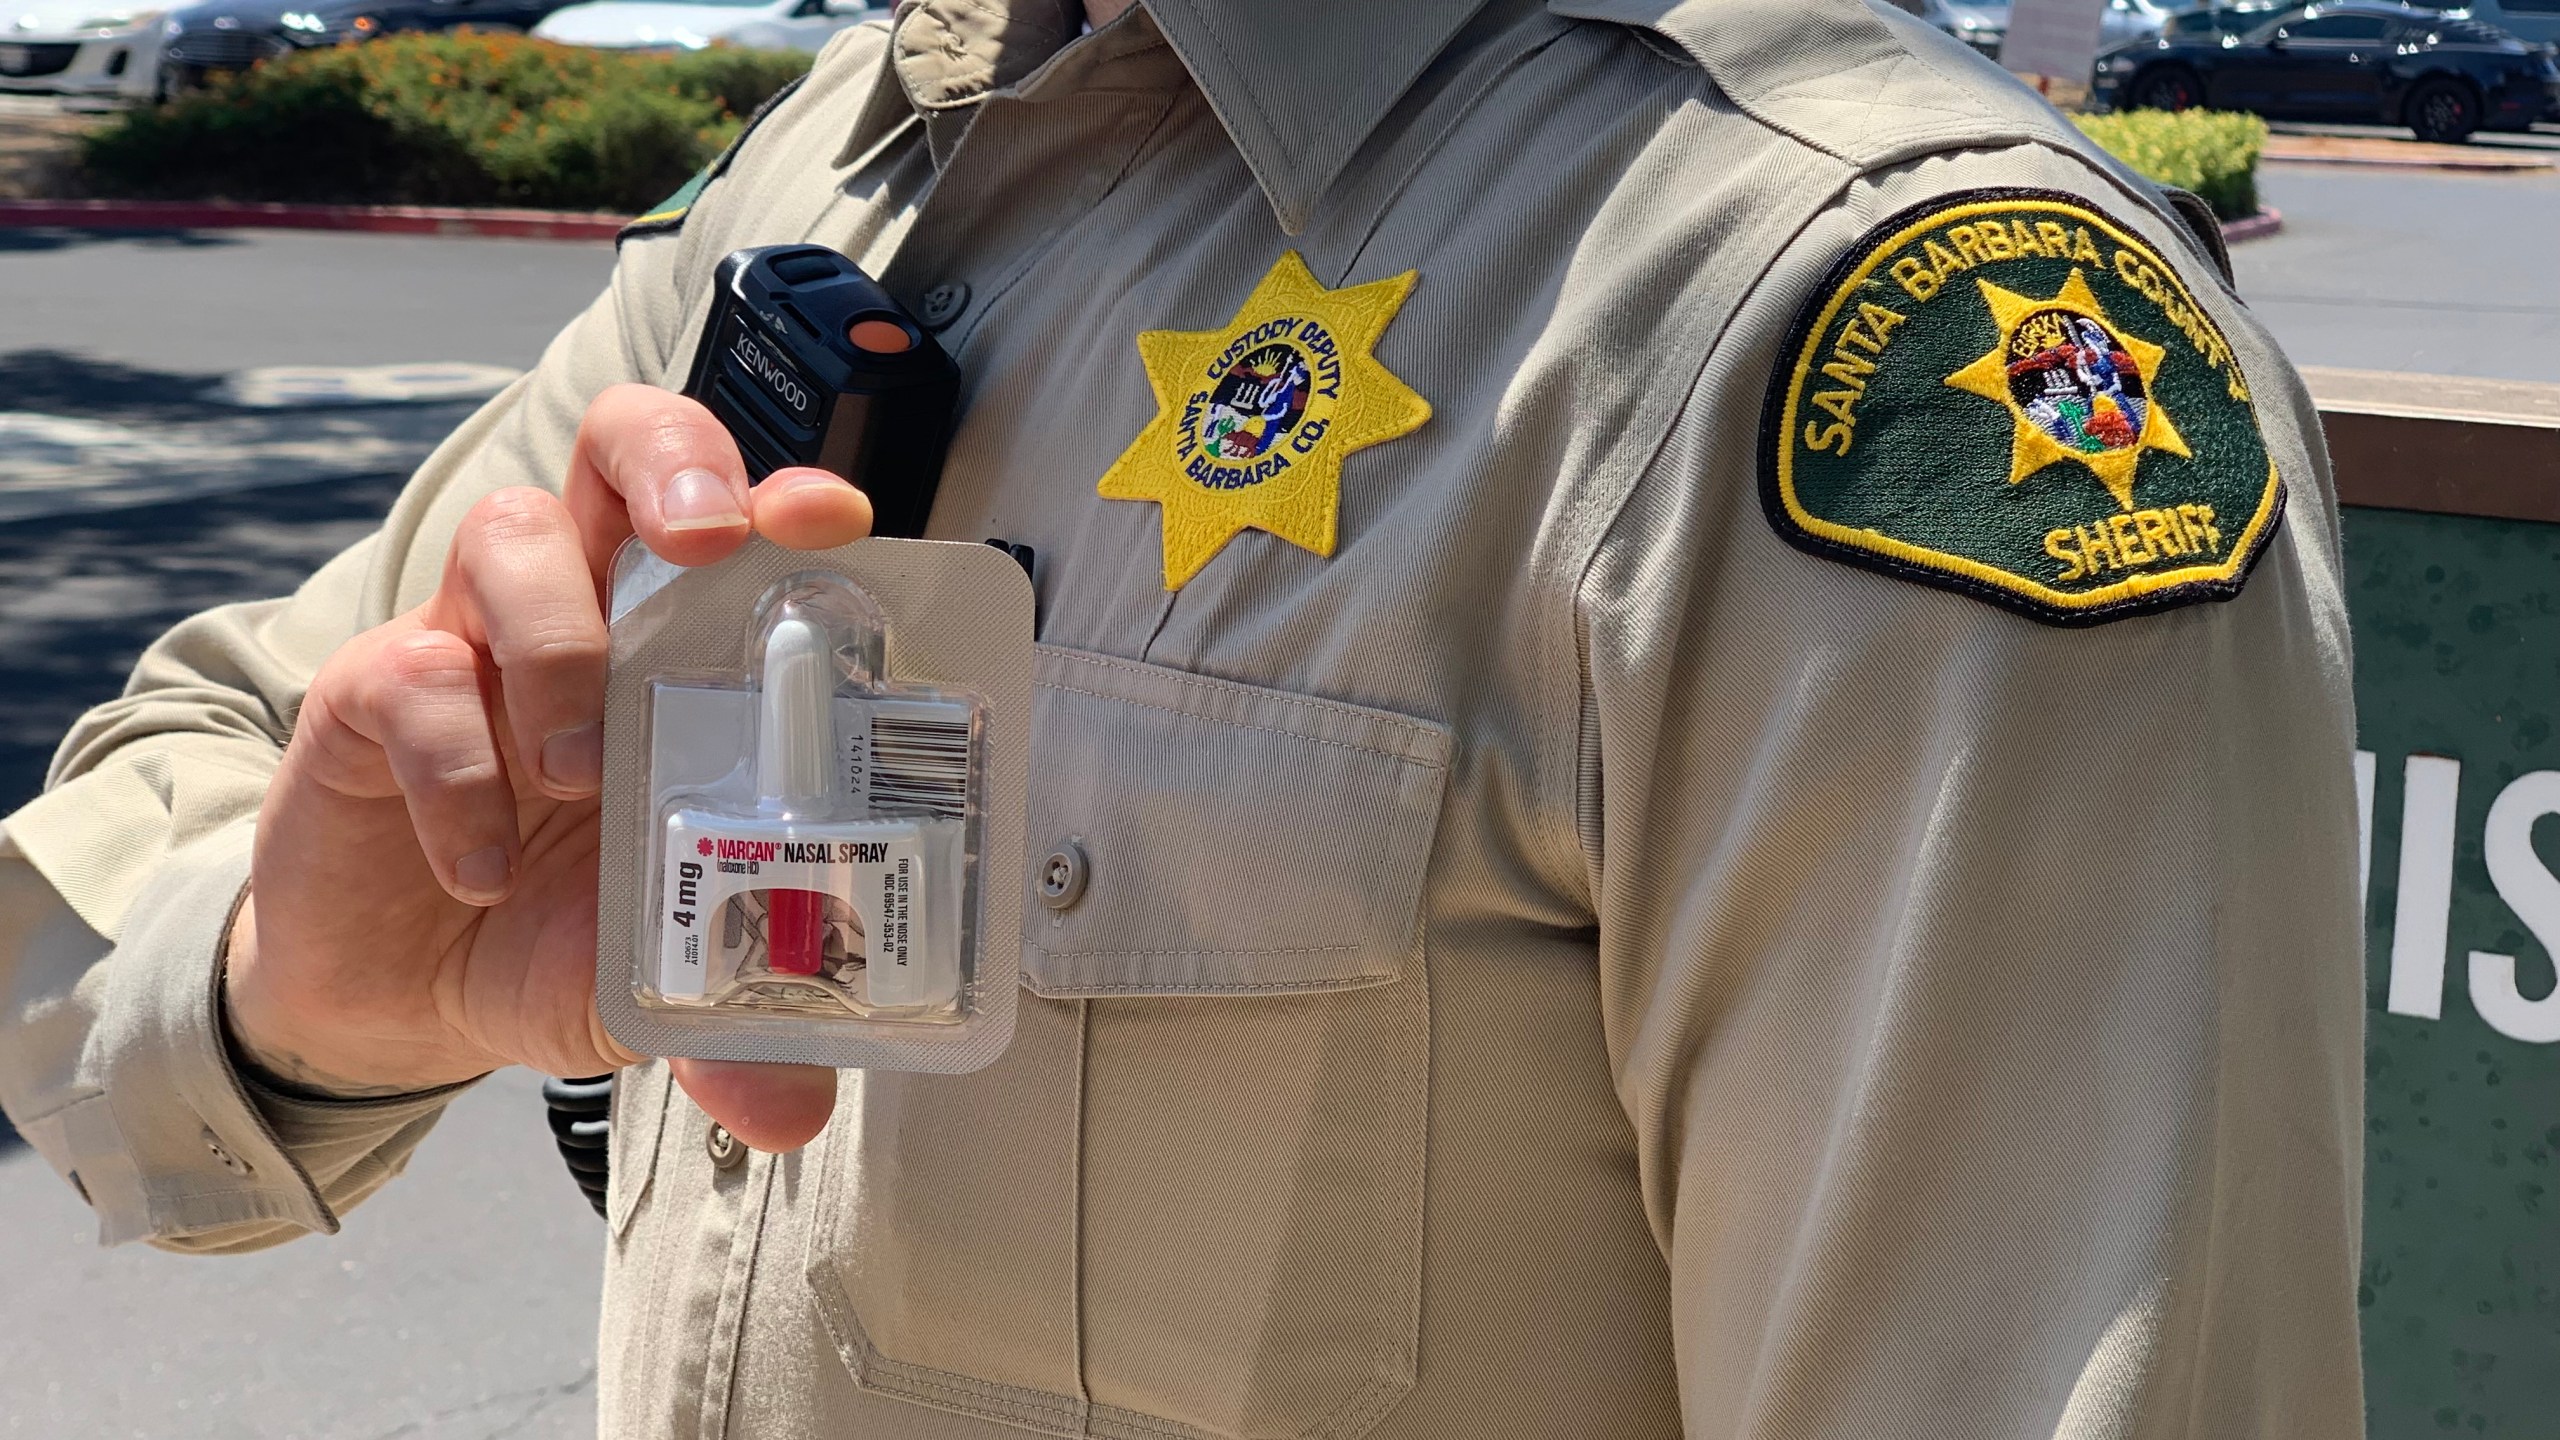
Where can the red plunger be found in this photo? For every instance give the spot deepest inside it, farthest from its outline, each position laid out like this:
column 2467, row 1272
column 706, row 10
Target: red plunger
column 795, row 931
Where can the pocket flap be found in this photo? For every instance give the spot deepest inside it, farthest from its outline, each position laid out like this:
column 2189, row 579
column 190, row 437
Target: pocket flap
column 1229, row 838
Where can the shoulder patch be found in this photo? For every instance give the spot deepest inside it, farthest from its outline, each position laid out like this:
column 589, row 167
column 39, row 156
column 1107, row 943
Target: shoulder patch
column 668, row 215
column 2004, row 393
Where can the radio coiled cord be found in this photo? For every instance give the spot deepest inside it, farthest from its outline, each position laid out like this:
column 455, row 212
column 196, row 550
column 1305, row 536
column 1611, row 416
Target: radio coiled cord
column 581, row 1113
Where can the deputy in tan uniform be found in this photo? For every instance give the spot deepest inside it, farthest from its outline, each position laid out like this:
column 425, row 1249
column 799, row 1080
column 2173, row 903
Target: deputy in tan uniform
column 1692, row 670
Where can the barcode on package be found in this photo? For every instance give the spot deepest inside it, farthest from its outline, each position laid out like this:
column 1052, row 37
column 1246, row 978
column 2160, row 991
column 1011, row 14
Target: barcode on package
column 920, row 759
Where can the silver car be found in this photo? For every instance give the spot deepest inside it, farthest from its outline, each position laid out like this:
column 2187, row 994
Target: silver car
column 1983, row 24
column 105, row 50
column 693, row 24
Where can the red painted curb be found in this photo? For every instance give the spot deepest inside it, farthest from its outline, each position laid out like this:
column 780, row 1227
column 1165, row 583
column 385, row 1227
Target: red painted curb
column 2253, row 227
column 448, row 220
column 373, row 219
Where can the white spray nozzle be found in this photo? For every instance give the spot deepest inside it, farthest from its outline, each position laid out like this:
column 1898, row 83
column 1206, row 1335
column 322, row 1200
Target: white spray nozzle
column 795, row 739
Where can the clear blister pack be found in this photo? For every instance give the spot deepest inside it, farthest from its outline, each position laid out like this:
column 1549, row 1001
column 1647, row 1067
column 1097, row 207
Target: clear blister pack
column 813, row 805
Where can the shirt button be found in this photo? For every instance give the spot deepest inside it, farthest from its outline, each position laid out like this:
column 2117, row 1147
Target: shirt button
column 230, row 1162
column 943, row 303
column 1062, row 875
column 727, row 1152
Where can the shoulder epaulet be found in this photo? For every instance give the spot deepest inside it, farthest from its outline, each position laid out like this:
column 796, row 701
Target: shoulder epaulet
column 667, row 215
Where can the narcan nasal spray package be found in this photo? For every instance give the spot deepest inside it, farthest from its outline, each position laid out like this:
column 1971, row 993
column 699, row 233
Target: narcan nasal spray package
column 813, row 805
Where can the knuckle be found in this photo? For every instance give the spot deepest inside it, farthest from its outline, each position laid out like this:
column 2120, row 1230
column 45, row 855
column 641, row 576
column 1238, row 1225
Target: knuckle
column 551, row 643
column 633, row 434
column 338, row 749
column 457, row 770
column 517, row 515
column 429, row 660
column 680, row 430
column 613, row 403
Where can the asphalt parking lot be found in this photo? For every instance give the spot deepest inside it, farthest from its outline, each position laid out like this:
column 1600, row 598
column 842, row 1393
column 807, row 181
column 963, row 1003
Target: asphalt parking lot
column 461, row 1302
column 2412, row 270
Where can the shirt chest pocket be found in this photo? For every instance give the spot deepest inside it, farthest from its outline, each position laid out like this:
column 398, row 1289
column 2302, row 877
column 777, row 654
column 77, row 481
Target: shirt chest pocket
column 1193, row 1189
column 1207, row 838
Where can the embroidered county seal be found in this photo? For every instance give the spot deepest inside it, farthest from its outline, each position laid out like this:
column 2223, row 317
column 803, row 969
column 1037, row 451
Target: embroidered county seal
column 2005, row 393
column 1253, row 418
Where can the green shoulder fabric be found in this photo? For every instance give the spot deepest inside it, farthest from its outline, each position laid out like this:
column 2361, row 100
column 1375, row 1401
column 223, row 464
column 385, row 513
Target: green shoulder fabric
column 667, row 216
column 2006, row 394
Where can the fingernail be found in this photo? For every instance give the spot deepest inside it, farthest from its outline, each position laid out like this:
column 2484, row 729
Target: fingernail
column 574, row 759
column 699, row 500
column 810, row 480
column 483, row 872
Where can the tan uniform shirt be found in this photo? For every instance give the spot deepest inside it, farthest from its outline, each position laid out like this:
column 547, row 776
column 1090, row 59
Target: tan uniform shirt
column 1569, row 964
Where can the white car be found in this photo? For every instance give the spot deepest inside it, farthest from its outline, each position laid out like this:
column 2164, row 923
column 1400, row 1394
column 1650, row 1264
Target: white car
column 95, row 49
column 1984, row 24
column 693, row 24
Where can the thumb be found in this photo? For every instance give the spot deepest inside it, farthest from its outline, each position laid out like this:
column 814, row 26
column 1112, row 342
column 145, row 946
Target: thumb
column 770, row 1107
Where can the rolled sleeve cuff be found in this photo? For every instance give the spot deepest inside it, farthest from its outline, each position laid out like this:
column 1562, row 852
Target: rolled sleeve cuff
column 200, row 1151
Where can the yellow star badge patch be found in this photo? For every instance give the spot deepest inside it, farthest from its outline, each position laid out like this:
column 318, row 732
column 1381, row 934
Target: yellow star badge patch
column 1253, row 418
column 2076, row 386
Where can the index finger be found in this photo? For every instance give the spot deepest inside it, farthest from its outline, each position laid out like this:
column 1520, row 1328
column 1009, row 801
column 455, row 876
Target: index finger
column 657, row 464
column 652, row 463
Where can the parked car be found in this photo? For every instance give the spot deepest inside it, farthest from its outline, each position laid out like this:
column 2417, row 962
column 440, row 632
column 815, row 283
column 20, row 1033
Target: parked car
column 2442, row 74
column 1984, row 24
column 97, row 49
column 692, row 24
column 2534, row 20
column 236, row 34
column 1977, row 25
column 2223, row 19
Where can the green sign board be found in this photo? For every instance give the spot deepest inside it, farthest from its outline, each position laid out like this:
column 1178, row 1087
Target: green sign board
column 2457, row 633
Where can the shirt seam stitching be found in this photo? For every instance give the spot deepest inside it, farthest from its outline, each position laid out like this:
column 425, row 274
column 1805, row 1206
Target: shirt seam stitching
column 1203, row 682
column 1241, row 725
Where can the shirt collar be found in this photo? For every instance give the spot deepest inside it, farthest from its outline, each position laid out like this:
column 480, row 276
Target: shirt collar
column 1298, row 84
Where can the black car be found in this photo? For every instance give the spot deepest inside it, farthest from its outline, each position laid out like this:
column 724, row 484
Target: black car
column 236, row 34
column 2442, row 75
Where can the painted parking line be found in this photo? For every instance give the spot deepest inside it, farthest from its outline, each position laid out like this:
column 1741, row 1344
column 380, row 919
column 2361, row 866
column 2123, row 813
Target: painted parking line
column 291, row 387
column 58, row 464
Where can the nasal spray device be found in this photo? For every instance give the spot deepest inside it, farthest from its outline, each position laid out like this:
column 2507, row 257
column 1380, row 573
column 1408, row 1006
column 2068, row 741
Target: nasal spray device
column 813, row 810
column 795, row 746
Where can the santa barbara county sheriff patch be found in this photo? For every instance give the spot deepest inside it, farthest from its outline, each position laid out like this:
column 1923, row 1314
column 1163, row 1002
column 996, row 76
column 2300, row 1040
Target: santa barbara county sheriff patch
column 2003, row 393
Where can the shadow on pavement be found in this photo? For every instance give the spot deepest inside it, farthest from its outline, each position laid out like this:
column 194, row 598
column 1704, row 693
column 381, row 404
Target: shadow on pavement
column 56, row 382
column 34, row 239
column 81, row 595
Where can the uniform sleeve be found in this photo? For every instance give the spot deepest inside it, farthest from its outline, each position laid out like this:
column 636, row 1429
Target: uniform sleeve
column 1985, row 993
column 118, row 884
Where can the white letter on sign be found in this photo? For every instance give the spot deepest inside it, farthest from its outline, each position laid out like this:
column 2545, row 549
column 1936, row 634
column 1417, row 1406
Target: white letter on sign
column 2529, row 889
column 2364, row 828
column 2429, row 786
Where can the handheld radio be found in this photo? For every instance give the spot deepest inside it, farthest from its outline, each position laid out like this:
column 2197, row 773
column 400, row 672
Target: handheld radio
column 808, row 361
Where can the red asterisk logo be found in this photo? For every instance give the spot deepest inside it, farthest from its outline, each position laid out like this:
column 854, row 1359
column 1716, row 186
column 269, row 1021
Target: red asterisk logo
column 703, row 845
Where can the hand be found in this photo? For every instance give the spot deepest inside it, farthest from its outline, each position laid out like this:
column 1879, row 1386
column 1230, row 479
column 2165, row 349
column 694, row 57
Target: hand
column 422, row 900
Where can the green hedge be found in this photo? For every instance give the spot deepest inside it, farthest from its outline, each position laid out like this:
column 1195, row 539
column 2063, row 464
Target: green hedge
column 2212, row 152
column 456, row 118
